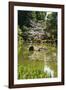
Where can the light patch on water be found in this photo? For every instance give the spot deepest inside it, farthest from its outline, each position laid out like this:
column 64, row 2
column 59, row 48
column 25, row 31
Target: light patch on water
column 36, row 56
column 49, row 71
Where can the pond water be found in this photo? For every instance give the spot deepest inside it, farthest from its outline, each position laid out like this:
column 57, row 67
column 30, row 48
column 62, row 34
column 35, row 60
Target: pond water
column 37, row 63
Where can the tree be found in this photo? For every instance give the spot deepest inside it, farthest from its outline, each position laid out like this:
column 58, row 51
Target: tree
column 52, row 24
column 40, row 15
column 24, row 18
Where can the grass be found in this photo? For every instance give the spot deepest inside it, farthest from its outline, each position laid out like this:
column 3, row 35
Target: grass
column 31, row 69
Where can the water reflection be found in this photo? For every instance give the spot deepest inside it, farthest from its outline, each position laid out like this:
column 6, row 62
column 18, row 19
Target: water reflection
column 38, row 61
column 49, row 71
column 48, row 57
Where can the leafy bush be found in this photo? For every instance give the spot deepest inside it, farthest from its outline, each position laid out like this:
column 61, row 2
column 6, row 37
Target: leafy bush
column 31, row 72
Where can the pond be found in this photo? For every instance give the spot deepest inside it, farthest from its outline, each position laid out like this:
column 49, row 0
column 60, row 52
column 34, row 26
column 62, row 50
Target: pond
column 39, row 63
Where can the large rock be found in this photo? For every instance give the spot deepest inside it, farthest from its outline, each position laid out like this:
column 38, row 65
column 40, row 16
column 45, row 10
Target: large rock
column 31, row 48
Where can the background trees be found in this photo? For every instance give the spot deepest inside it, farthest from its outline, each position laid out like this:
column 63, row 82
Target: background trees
column 36, row 23
column 52, row 24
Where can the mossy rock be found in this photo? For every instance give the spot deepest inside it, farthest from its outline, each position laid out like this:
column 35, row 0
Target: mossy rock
column 31, row 48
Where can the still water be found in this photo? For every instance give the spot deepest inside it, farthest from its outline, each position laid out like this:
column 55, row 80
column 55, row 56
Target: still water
column 39, row 63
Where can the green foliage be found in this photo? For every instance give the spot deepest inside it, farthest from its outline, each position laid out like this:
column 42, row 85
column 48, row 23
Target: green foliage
column 33, row 16
column 49, row 25
column 20, row 40
column 52, row 24
column 32, row 24
column 24, row 18
column 28, row 71
column 52, row 20
column 40, row 15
